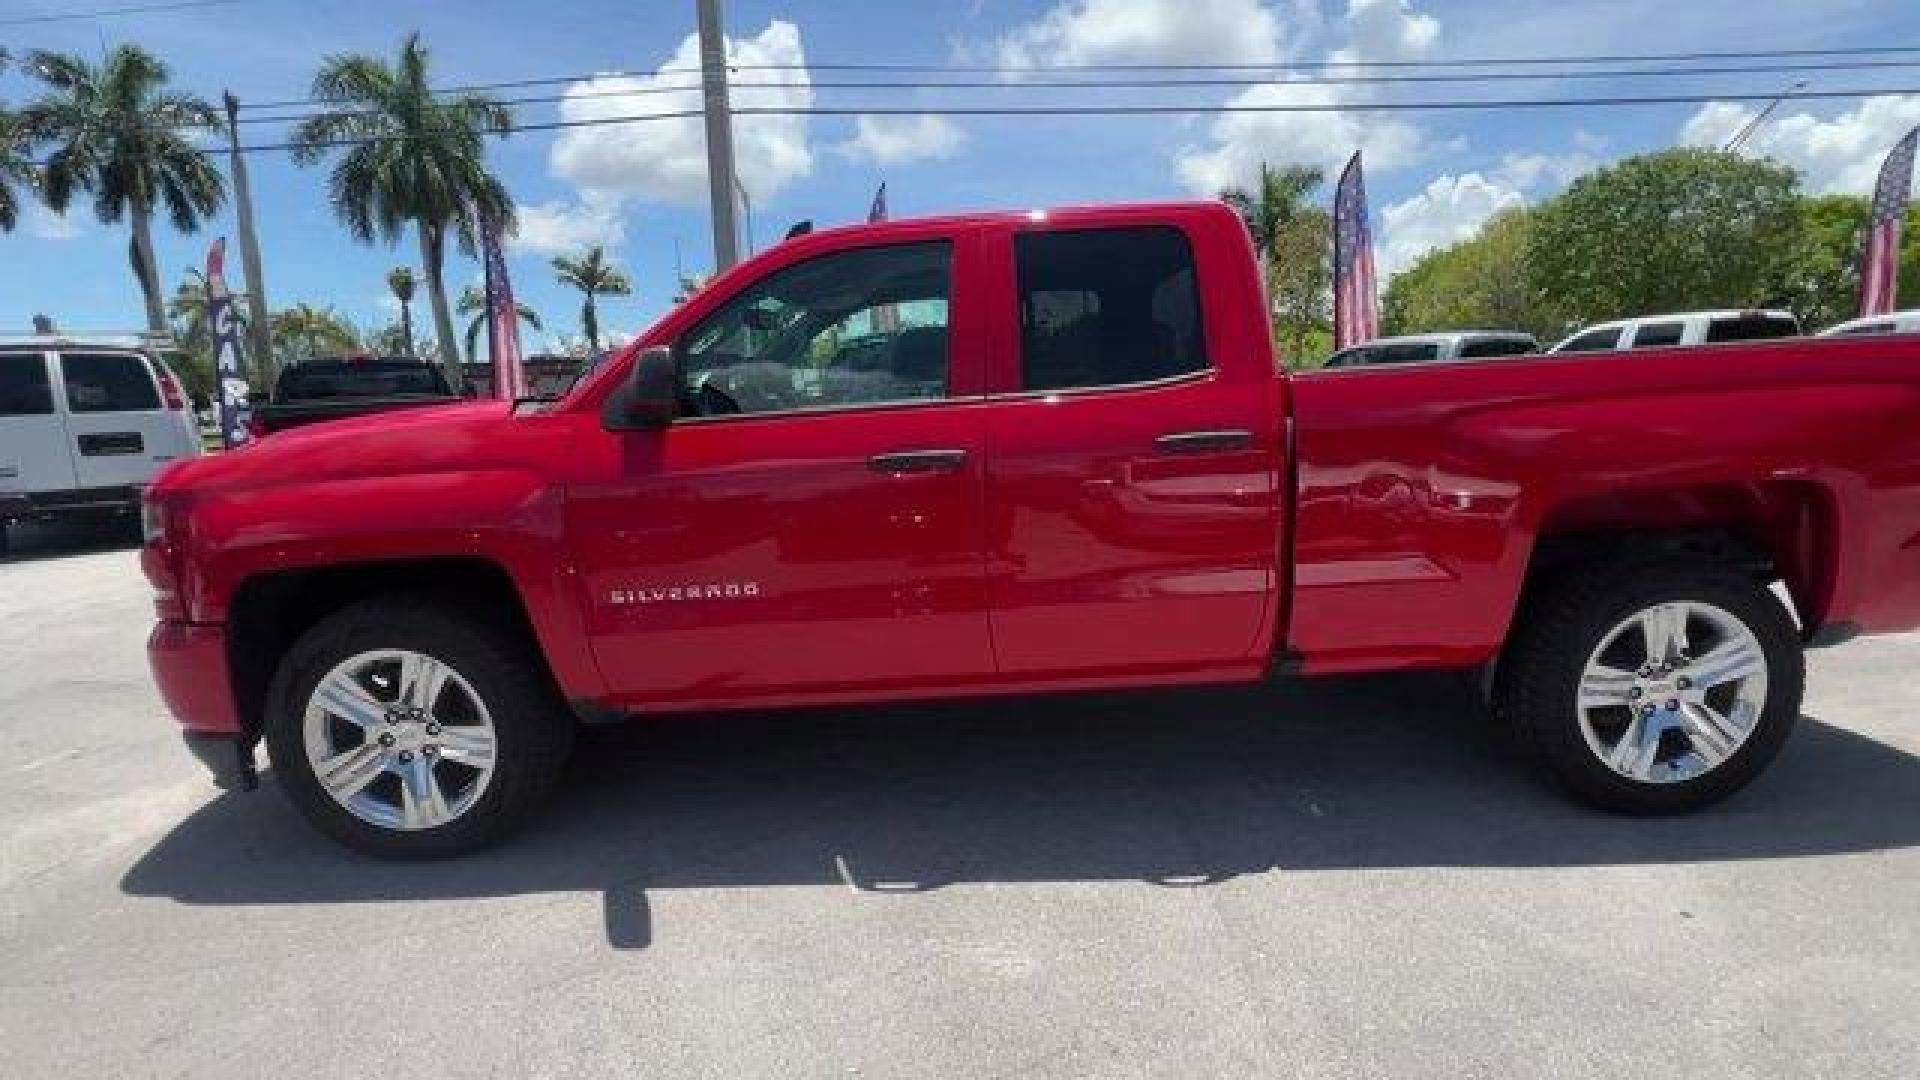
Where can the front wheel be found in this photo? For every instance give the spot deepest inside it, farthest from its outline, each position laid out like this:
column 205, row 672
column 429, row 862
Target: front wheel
column 404, row 729
column 1654, row 687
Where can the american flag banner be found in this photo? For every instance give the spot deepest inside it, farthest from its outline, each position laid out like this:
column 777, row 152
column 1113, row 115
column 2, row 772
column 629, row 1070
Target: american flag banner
column 878, row 211
column 886, row 317
column 1355, row 309
column 1880, row 249
column 503, row 321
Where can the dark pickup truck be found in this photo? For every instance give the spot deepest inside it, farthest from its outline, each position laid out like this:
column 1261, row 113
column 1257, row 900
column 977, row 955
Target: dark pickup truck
column 314, row 391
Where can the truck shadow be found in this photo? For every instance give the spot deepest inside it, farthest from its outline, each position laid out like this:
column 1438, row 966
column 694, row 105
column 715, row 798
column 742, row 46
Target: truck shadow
column 1181, row 789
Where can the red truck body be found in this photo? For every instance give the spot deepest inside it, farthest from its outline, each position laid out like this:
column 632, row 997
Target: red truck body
column 1197, row 528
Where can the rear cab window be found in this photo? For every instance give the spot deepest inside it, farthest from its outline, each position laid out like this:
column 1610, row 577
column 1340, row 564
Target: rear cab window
column 1659, row 335
column 1754, row 327
column 1107, row 307
column 1485, row 347
column 108, row 382
column 24, row 387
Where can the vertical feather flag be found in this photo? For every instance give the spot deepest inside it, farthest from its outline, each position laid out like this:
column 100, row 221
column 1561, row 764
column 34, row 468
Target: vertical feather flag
column 223, row 324
column 503, row 321
column 886, row 317
column 1880, row 249
column 1355, row 306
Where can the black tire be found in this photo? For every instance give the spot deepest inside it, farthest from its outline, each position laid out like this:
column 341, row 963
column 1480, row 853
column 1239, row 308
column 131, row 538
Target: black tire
column 533, row 729
column 1537, row 686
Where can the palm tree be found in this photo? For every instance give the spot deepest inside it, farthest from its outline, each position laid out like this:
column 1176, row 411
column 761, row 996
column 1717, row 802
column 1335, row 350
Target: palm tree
column 593, row 275
column 1292, row 237
column 400, row 280
column 121, row 136
column 307, row 331
column 408, row 156
column 473, row 303
column 16, row 165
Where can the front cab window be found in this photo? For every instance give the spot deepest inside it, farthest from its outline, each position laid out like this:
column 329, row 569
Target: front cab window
column 860, row 327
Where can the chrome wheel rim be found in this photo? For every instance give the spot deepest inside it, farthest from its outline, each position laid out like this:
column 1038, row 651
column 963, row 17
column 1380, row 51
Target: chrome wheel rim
column 399, row 739
column 1672, row 692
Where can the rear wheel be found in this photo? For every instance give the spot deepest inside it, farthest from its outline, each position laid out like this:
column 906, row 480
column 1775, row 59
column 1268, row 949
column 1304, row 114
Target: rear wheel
column 1654, row 687
column 403, row 729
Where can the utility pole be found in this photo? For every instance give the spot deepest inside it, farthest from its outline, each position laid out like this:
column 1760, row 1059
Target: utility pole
column 259, row 331
column 719, row 115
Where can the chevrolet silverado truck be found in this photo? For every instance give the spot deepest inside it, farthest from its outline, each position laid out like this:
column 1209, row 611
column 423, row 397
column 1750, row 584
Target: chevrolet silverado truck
column 1026, row 452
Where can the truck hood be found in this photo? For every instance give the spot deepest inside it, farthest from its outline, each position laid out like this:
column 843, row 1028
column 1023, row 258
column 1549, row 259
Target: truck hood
column 431, row 439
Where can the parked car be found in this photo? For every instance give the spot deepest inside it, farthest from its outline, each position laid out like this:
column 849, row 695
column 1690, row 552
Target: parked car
column 1683, row 329
column 1894, row 322
column 1070, row 464
column 1425, row 348
column 84, row 424
column 313, row 391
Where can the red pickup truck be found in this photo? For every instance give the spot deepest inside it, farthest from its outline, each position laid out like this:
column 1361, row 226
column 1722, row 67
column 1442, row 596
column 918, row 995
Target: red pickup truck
column 1007, row 453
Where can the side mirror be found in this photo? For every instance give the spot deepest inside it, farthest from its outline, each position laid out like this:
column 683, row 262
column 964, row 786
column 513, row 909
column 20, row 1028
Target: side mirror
column 650, row 397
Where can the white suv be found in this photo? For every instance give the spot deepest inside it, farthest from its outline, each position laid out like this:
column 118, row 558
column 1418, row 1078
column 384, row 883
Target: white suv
column 84, row 424
column 1893, row 322
column 1684, row 328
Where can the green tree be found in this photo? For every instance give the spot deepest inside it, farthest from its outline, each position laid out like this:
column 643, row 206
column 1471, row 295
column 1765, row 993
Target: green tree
column 1482, row 283
column 1293, row 239
column 306, row 331
column 121, row 136
column 473, row 304
column 594, row 276
column 1671, row 231
column 408, row 155
column 400, row 283
column 1822, row 280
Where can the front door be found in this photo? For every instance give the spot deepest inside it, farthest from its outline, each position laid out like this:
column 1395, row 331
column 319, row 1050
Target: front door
column 1132, row 491
column 813, row 524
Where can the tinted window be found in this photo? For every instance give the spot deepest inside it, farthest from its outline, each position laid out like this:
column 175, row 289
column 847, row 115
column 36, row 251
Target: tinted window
column 24, row 390
column 1498, row 347
column 1867, row 328
column 1751, row 328
column 360, row 379
column 1403, row 352
column 1592, row 341
column 1105, row 307
column 108, row 382
column 857, row 327
column 1658, row 335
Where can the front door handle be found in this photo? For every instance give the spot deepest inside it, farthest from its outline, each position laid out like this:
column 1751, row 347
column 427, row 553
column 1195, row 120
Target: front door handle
column 918, row 461
column 1203, row 442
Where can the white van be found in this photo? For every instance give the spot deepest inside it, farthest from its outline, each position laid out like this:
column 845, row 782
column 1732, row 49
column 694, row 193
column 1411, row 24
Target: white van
column 84, row 424
column 1682, row 329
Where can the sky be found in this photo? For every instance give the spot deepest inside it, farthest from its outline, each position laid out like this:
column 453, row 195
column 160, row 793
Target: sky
column 640, row 188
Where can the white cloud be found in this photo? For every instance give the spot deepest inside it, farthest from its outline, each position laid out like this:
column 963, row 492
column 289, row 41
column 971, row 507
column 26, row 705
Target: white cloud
column 1451, row 209
column 666, row 160
column 896, row 140
column 43, row 224
column 560, row 227
column 1841, row 153
column 1144, row 31
column 1240, row 142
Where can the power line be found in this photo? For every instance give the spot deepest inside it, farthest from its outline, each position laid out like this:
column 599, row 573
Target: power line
column 133, row 9
column 1015, row 76
column 1151, row 84
column 1149, row 110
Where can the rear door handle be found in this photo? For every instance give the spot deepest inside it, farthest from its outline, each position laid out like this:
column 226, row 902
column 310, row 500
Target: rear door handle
column 1203, row 442
column 918, row 461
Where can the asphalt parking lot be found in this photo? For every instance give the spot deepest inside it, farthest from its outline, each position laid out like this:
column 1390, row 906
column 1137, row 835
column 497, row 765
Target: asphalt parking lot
column 1330, row 880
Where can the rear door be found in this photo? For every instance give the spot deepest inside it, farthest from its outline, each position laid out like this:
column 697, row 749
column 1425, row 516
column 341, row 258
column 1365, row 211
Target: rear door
column 1132, row 508
column 33, row 439
column 118, row 427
